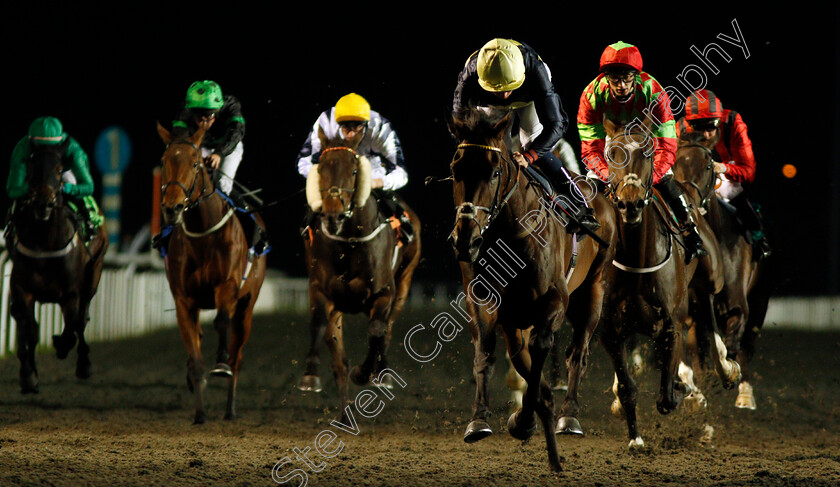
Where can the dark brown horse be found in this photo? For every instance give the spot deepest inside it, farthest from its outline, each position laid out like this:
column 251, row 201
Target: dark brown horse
column 356, row 264
column 650, row 289
column 51, row 264
column 744, row 297
column 531, row 265
column 208, row 265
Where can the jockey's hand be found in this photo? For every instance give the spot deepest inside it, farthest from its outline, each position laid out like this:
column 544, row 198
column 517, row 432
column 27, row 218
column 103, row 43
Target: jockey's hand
column 213, row 160
column 720, row 168
column 520, row 159
column 377, row 183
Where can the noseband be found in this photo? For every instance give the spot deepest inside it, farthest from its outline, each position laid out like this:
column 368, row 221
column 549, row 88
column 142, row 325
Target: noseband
column 467, row 209
column 335, row 191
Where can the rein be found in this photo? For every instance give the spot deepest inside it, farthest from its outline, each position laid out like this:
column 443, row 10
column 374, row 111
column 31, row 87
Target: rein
column 498, row 202
column 189, row 203
column 705, row 193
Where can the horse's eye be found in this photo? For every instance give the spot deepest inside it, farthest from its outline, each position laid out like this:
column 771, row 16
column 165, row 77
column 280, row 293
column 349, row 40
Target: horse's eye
column 496, row 174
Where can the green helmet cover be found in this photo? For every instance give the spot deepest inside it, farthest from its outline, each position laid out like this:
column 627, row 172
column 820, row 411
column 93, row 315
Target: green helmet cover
column 205, row 94
column 47, row 131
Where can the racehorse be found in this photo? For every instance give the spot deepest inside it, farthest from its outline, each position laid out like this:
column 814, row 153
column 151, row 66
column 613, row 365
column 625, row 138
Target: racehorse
column 650, row 288
column 356, row 264
column 51, row 264
column 744, row 297
column 208, row 265
column 531, row 265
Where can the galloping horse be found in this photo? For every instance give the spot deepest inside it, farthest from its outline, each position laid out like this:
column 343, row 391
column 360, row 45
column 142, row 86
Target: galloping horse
column 51, row 264
column 650, row 288
column 743, row 299
column 531, row 266
column 208, row 265
column 356, row 264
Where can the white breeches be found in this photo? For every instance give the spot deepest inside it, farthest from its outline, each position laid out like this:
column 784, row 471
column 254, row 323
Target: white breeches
column 728, row 189
column 228, row 166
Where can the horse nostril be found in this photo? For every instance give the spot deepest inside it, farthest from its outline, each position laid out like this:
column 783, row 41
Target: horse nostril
column 621, row 205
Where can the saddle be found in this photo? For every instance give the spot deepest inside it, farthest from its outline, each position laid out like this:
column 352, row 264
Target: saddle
column 666, row 214
column 548, row 191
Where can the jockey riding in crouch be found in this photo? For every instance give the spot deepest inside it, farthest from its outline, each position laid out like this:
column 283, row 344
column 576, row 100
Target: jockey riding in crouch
column 221, row 115
column 370, row 135
column 623, row 93
column 77, row 183
column 508, row 75
column 704, row 113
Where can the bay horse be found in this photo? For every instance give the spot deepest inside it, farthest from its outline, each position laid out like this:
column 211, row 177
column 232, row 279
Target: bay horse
column 531, row 265
column 51, row 263
column 356, row 264
column 741, row 305
column 208, row 265
column 650, row 279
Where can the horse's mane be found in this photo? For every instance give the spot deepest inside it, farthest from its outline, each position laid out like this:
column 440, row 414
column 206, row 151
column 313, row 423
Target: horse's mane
column 694, row 138
column 478, row 121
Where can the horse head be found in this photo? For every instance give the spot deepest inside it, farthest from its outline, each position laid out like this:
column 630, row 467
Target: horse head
column 694, row 163
column 181, row 168
column 481, row 169
column 339, row 185
column 629, row 153
column 44, row 170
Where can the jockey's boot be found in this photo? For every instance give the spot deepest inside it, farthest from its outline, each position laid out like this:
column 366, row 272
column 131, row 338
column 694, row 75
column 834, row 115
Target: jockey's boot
column 309, row 221
column 751, row 221
column 679, row 204
column 392, row 208
column 565, row 199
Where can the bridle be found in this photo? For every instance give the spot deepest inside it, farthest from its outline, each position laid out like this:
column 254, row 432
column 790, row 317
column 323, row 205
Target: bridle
column 705, row 193
column 188, row 193
column 336, row 192
column 467, row 209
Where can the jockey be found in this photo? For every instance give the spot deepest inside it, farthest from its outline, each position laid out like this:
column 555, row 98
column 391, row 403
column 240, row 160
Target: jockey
column 508, row 75
column 623, row 93
column 77, row 183
column 704, row 113
column 221, row 115
column 370, row 135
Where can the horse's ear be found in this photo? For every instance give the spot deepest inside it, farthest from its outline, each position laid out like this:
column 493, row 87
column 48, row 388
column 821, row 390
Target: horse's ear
column 165, row 136
column 196, row 137
column 647, row 123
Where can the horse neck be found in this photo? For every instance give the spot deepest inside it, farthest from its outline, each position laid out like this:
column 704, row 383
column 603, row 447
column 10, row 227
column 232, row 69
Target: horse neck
column 365, row 217
column 50, row 234
column 638, row 244
column 209, row 209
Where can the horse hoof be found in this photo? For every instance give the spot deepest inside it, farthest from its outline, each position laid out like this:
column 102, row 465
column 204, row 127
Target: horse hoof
column 734, row 375
column 636, row 443
column 29, row 385
column 478, row 429
column 617, row 409
column 745, row 399
column 358, row 377
column 230, row 416
column 560, row 385
column 387, row 383
column 568, row 425
column 519, row 432
column 694, row 402
column 310, row 383
column 200, row 418
column 63, row 345
column 83, row 371
column 221, row 369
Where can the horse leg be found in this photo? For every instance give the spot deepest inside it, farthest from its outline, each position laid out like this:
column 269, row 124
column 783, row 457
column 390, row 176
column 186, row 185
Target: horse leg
column 728, row 370
column 190, row 328
column 584, row 314
column 378, row 331
column 516, row 383
column 624, row 388
column 67, row 340
column 667, row 346
column 538, row 397
column 83, row 365
column 23, row 311
column 484, row 341
column 226, row 302
column 240, row 331
column 557, row 376
column 311, row 381
column 334, row 338
column 758, row 298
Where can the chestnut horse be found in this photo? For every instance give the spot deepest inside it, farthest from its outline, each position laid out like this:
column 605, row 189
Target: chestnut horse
column 531, row 266
column 208, row 265
column 51, row 264
column 741, row 305
column 650, row 288
column 356, row 264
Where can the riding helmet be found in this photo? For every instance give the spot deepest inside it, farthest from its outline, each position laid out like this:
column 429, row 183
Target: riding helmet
column 500, row 66
column 46, row 131
column 622, row 55
column 352, row 108
column 206, row 95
